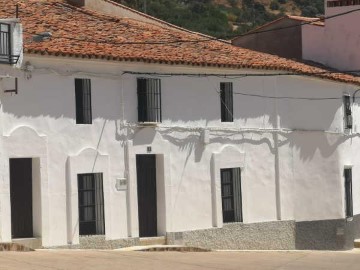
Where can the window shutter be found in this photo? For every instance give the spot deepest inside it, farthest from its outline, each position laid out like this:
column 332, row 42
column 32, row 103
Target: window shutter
column 142, row 100
column 349, row 121
column 348, row 192
column 236, row 172
column 347, row 105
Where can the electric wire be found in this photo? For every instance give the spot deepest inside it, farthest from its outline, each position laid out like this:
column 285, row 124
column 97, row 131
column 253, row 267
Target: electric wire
column 218, row 91
column 286, row 97
column 207, row 76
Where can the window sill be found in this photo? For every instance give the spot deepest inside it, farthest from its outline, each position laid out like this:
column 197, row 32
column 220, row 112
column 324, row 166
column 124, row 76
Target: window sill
column 349, row 219
column 227, row 124
column 235, row 222
column 148, row 124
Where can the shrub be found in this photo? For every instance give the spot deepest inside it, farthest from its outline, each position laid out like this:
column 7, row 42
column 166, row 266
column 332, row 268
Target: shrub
column 274, row 5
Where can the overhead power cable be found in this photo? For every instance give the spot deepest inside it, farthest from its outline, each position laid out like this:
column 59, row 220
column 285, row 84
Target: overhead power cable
column 195, row 40
column 242, row 76
column 287, row 97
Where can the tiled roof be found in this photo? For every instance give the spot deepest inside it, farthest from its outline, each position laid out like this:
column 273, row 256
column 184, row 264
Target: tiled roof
column 314, row 21
column 82, row 33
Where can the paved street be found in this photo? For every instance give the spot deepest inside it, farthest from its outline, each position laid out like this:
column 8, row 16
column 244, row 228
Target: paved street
column 100, row 260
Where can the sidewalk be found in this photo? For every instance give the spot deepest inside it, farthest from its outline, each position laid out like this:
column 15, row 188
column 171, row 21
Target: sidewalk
column 249, row 260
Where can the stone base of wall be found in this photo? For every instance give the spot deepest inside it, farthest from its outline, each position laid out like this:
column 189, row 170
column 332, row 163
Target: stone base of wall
column 99, row 242
column 336, row 234
column 279, row 235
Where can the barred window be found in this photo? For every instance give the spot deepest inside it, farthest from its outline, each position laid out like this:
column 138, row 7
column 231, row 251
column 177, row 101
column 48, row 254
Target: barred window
column 348, row 121
column 226, row 99
column 5, row 43
column 91, row 204
column 231, row 195
column 83, row 101
column 149, row 100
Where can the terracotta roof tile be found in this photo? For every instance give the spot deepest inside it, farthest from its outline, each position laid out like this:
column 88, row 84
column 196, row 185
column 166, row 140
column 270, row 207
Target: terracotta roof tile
column 314, row 21
column 82, row 33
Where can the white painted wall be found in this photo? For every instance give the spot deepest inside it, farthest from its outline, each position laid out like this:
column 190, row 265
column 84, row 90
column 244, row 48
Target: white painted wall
column 335, row 45
column 313, row 43
column 299, row 178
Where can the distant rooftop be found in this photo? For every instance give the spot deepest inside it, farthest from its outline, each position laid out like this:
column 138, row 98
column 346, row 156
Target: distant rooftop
column 83, row 33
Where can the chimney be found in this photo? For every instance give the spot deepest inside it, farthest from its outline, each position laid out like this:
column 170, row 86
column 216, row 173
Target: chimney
column 78, row 3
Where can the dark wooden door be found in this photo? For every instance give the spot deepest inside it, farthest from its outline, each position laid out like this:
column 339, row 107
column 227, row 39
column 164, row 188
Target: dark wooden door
column 21, row 197
column 146, row 186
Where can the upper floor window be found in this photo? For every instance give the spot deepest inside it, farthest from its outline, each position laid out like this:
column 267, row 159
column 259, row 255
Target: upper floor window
column 343, row 3
column 10, row 42
column 149, row 100
column 348, row 121
column 5, row 43
column 226, row 99
column 83, row 101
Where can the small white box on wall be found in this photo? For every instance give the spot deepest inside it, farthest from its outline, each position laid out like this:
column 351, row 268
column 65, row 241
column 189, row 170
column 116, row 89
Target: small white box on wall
column 121, row 184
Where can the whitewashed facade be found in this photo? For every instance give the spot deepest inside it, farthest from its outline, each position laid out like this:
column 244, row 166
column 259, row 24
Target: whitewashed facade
column 336, row 44
column 288, row 138
column 292, row 153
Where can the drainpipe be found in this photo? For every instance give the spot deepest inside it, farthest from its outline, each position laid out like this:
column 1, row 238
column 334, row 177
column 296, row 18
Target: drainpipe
column 276, row 154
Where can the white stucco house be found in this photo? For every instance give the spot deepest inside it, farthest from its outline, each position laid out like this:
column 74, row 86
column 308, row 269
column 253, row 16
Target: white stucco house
column 123, row 127
column 331, row 40
column 335, row 44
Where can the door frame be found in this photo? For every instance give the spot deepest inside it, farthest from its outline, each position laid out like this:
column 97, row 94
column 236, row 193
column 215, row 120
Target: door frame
column 79, row 164
column 228, row 157
column 144, row 138
column 25, row 142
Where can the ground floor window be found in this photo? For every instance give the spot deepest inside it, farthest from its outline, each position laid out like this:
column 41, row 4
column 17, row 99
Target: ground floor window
column 91, row 204
column 231, row 195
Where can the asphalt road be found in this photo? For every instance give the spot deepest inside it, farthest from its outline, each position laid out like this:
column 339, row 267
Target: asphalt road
column 100, row 260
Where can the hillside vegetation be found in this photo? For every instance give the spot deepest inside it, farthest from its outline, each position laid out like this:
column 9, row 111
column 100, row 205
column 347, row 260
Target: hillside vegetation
column 224, row 18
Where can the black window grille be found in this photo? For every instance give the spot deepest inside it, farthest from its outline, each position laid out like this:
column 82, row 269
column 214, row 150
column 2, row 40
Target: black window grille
column 348, row 192
column 5, row 43
column 347, row 112
column 83, row 101
column 231, row 195
column 91, row 204
column 149, row 100
column 226, row 99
